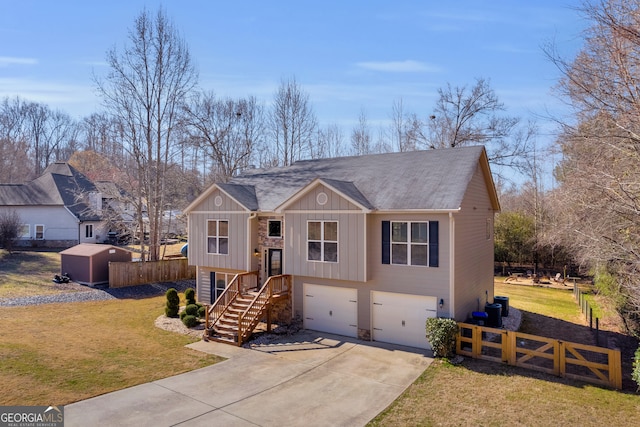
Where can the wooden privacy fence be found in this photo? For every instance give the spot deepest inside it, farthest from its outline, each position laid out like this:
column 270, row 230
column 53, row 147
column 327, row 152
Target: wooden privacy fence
column 561, row 358
column 123, row 274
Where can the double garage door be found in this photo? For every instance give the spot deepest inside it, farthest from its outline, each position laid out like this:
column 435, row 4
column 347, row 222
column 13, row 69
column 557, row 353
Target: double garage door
column 396, row 318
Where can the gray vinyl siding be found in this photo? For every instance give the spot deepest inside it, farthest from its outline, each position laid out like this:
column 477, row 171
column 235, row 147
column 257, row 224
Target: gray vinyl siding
column 351, row 236
column 474, row 252
column 417, row 280
column 203, row 285
column 230, row 211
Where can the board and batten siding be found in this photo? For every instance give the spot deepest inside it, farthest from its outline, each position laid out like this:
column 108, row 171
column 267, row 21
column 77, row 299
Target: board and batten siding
column 474, row 249
column 230, row 211
column 351, row 236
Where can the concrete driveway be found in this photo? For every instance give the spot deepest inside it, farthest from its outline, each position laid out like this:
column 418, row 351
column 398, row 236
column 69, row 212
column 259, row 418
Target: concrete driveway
column 308, row 379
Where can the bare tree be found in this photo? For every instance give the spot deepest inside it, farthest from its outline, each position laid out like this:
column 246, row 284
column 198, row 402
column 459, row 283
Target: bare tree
column 405, row 132
column 472, row 116
column 292, row 124
column 10, row 224
column 228, row 130
column 144, row 88
column 329, row 143
column 599, row 174
column 15, row 164
column 52, row 134
column 99, row 132
column 361, row 140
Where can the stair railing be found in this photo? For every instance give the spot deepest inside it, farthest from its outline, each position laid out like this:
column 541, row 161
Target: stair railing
column 240, row 283
column 249, row 319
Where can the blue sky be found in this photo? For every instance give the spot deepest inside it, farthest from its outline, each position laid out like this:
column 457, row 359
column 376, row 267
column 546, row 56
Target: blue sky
column 347, row 55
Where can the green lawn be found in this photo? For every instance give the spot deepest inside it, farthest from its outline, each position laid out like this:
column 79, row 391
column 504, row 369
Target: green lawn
column 482, row 393
column 62, row 353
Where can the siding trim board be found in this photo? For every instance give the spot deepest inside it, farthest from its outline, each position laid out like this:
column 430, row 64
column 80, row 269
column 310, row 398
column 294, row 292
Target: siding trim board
column 315, row 211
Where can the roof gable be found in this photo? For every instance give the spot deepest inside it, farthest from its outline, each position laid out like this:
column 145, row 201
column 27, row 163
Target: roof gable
column 242, row 195
column 346, row 190
column 59, row 185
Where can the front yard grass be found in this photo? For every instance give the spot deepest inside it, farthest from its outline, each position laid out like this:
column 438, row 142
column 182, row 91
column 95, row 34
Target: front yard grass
column 482, row 393
column 28, row 273
column 56, row 354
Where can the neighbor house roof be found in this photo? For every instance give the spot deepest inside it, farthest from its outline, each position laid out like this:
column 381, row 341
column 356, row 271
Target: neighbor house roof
column 59, row 185
column 415, row 180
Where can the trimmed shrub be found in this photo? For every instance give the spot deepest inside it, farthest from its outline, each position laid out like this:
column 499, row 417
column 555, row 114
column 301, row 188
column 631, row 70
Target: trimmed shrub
column 201, row 311
column 182, row 314
column 191, row 310
column 190, row 321
column 173, row 303
column 635, row 374
column 441, row 334
column 190, row 296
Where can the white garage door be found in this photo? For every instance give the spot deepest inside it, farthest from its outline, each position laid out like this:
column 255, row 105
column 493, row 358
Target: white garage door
column 400, row 318
column 331, row 309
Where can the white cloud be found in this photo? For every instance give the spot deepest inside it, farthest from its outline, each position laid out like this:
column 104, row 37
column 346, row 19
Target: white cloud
column 76, row 99
column 408, row 66
column 5, row 61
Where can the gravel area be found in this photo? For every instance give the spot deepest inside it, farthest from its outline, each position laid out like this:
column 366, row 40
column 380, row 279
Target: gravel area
column 97, row 294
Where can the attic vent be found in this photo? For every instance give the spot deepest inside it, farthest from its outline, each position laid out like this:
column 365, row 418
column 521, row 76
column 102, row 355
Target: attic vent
column 322, row 199
column 218, row 201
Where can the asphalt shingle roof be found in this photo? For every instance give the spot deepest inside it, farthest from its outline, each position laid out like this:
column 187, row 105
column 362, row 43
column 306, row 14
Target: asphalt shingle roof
column 59, row 185
column 433, row 179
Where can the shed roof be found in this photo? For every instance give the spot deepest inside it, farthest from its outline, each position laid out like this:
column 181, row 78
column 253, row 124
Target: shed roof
column 90, row 249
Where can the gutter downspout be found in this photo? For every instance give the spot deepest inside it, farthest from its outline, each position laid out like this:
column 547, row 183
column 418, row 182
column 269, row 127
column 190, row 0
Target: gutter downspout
column 452, row 269
column 251, row 216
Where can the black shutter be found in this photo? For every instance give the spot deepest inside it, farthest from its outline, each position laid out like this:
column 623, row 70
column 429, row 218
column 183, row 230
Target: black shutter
column 212, row 287
column 433, row 243
column 386, row 242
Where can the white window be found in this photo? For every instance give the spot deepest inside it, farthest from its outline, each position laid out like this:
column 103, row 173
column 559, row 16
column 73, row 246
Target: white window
column 217, row 237
column 409, row 243
column 88, row 231
column 25, row 231
column 39, row 232
column 322, row 241
column 274, row 228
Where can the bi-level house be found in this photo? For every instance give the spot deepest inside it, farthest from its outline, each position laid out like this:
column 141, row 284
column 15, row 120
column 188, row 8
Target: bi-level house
column 366, row 247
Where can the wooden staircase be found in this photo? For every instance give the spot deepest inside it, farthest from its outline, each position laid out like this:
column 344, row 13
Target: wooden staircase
column 241, row 307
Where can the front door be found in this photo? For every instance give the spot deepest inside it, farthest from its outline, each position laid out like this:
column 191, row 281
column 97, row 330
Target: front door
column 274, row 263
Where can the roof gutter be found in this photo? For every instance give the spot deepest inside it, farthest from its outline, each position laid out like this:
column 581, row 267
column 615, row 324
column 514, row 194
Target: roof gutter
column 409, row 211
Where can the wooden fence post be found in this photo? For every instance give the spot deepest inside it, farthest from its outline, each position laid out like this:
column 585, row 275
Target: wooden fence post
column 559, row 360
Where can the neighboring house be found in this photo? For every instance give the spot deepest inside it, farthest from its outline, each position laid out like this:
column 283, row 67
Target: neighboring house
column 61, row 208
column 374, row 244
